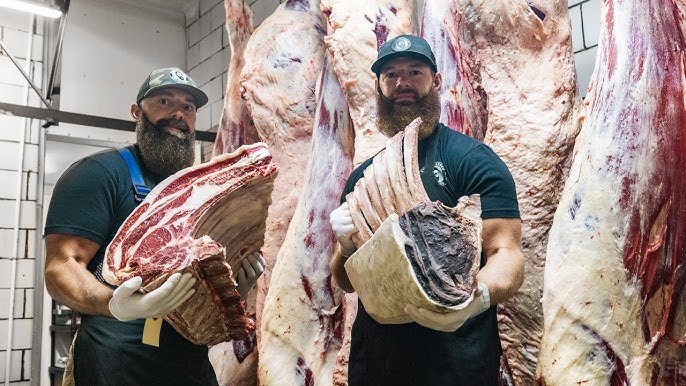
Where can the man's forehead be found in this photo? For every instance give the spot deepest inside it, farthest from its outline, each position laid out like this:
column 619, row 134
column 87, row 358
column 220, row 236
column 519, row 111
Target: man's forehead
column 173, row 92
column 404, row 61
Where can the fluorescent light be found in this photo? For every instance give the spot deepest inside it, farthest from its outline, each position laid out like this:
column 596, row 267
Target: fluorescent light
column 27, row 6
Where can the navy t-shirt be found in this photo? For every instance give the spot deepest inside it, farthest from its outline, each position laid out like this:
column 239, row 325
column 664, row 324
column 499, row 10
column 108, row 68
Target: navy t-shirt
column 91, row 200
column 409, row 354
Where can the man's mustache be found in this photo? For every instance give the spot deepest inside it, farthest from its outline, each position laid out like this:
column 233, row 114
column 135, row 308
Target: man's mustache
column 173, row 123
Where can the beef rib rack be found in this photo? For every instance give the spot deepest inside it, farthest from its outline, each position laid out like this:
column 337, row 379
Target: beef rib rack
column 204, row 220
column 411, row 250
column 428, row 257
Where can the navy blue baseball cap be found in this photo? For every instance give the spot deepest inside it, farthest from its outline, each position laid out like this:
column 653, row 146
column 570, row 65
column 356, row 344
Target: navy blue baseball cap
column 404, row 45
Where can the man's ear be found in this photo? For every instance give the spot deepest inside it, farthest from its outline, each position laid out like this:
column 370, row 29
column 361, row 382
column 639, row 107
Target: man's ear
column 135, row 111
column 438, row 80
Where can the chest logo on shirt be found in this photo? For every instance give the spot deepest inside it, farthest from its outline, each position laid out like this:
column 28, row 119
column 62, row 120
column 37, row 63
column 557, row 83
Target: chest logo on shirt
column 439, row 172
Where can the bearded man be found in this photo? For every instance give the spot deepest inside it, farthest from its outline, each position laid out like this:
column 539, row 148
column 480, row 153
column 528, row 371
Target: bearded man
column 459, row 347
column 121, row 339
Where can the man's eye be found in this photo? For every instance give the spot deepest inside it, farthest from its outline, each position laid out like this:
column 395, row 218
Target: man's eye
column 164, row 101
column 189, row 108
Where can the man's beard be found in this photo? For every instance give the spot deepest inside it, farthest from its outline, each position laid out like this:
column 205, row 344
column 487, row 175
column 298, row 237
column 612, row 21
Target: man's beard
column 163, row 153
column 393, row 118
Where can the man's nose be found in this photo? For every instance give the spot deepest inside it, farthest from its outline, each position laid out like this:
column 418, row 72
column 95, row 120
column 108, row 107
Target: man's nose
column 403, row 82
column 178, row 112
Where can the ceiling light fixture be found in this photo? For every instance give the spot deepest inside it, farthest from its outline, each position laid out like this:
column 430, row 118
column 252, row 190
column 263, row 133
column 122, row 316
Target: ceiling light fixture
column 32, row 7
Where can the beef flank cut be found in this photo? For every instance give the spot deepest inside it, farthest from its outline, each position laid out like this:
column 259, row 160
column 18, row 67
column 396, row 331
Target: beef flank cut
column 204, row 219
column 429, row 257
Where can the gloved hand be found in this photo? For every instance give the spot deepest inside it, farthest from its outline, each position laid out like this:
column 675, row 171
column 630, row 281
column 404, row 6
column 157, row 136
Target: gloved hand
column 129, row 304
column 451, row 321
column 251, row 269
column 343, row 227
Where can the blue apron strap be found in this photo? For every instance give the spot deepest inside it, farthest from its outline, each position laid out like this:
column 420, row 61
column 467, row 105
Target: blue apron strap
column 140, row 189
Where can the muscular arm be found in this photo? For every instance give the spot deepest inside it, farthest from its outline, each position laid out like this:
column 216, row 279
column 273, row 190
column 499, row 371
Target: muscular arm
column 338, row 272
column 503, row 273
column 68, row 280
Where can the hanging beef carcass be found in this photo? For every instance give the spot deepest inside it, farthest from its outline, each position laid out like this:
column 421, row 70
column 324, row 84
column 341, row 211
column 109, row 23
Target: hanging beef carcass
column 527, row 69
column 183, row 226
column 235, row 125
column 464, row 106
column 235, row 362
column 283, row 59
column 614, row 299
column 356, row 30
column 302, row 320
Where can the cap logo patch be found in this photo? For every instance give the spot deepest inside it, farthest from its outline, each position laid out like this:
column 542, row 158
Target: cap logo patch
column 401, row 44
column 179, row 76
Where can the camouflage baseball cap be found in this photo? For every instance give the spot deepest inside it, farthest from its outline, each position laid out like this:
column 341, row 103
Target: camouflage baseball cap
column 171, row 77
column 404, row 45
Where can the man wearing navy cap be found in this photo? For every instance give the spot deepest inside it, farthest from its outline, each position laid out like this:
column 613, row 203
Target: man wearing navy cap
column 122, row 339
column 459, row 347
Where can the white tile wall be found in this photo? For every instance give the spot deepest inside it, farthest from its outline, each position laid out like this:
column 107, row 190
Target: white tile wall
column 21, row 334
column 218, row 16
column 8, row 187
column 207, row 5
column 12, row 93
column 7, row 241
column 10, row 129
column 11, row 19
column 585, row 63
column 9, row 74
column 20, row 367
column 590, row 12
column 9, row 215
column 9, row 154
column 23, row 303
column 17, row 41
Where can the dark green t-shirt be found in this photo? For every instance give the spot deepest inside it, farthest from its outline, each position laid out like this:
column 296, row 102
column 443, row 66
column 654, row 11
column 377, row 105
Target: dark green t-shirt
column 91, row 200
column 409, row 354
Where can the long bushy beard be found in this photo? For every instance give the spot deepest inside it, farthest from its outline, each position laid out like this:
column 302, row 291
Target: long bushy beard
column 392, row 118
column 163, row 153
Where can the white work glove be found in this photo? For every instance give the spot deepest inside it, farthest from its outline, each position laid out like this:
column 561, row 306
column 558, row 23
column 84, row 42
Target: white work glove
column 343, row 227
column 129, row 304
column 451, row 321
column 250, row 270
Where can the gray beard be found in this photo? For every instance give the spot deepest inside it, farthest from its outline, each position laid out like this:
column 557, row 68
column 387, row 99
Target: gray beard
column 392, row 119
column 163, row 153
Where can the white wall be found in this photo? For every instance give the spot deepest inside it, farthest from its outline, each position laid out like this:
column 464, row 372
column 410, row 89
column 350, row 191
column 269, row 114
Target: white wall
column 109, row 47
column 18, row 136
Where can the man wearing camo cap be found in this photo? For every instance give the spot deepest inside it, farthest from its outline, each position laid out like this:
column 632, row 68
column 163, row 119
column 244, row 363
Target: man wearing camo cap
column 122, row 339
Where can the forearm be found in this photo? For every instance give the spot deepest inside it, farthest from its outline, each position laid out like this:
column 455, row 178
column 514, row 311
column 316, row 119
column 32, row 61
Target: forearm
column 70, row 284
column 338, row 272
column 503, row 274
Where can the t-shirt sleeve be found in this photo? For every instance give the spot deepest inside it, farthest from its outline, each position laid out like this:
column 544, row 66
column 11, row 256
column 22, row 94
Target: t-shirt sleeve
column 483, row 172
column 354, row 177
column 82, row 202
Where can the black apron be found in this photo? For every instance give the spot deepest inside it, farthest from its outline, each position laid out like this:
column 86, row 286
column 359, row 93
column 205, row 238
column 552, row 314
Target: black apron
column 108, row 352
column 409, row 354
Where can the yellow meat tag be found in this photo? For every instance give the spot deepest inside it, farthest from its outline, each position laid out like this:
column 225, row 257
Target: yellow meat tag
column 151, row 331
